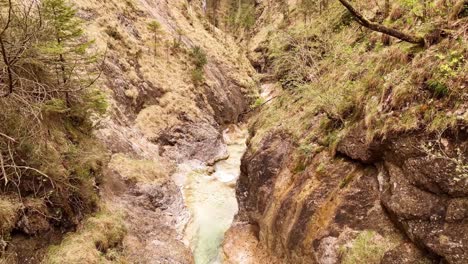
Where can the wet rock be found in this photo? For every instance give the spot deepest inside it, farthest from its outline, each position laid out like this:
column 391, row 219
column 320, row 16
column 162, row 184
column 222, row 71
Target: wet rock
column 258, row 172
column 193, row 140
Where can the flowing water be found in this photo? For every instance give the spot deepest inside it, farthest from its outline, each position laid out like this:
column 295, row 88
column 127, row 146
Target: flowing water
column 212, row 201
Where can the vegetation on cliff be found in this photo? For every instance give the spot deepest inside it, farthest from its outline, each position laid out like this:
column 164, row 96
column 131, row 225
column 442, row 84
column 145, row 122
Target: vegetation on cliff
column 170, row 82
column 350, row 74
column 371, row 105
column 49, row 159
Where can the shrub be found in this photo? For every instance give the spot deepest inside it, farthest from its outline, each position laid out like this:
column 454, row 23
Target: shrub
column 198, row 76
column 199, row 60
column 368, row 247
column 438, row 88
column 241, row 15
column 46, row 119
column 198, row 57
column 258, row 102
column 156, row 31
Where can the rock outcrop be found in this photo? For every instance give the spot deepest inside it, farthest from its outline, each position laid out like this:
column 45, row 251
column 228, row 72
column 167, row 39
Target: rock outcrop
column 410, row 200
column 345, row 165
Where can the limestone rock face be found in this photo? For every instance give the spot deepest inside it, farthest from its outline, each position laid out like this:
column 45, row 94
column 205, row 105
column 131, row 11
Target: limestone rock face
column 262, row 167
column 199, row 141
column 425, row 193
column 400, row 195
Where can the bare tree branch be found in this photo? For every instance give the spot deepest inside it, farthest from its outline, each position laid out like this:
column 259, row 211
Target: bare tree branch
column 380, row 28
column 8, row 21
column 2, row 165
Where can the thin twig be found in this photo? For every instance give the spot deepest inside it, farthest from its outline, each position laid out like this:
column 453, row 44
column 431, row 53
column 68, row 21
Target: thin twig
column 33, row 169
column 3, row 169
column 8, row 137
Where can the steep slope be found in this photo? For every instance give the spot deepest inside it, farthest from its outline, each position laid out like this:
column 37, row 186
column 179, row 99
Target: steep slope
column 362, row 156
column 172, row 81
column 161, row 115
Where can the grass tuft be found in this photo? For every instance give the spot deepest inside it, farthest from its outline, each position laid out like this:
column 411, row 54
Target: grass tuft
column 368, row 247
column 98, row 241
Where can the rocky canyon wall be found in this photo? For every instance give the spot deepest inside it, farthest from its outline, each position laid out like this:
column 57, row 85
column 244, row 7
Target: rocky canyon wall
column 326, row 181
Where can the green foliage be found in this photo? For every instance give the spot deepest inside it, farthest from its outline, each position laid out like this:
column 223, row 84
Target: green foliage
column 258, row 102
column 48, row 119
column 154, row 27
column 177, row 42
column 95, row 101
column 320, row 169
column 62, row 21
column 199, row 59
column 415, row 6
column 439, row 89
column 451, row 64
column 63, row 48
column 198, row 76
column 306, row 149
column 241, row 15
column 156, row 31
column 366, row 248
column 55, row 105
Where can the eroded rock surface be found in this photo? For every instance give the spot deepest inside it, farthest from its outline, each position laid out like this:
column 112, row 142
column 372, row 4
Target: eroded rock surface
column 405, row 196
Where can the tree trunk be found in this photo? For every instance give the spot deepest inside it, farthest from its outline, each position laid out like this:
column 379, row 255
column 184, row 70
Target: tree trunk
column 380, row 28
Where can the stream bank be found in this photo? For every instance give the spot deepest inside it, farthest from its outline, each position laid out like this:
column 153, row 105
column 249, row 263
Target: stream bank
column 209, row 194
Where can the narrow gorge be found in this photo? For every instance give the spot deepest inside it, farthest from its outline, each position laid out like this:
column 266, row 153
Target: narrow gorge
column 234, row 131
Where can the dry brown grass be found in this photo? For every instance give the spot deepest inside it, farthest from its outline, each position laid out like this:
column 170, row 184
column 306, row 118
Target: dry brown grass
column 136, row 170
column 171, row 69
column 8, row 215
column 368, row 247
column 361, row 78
column 96, row 242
